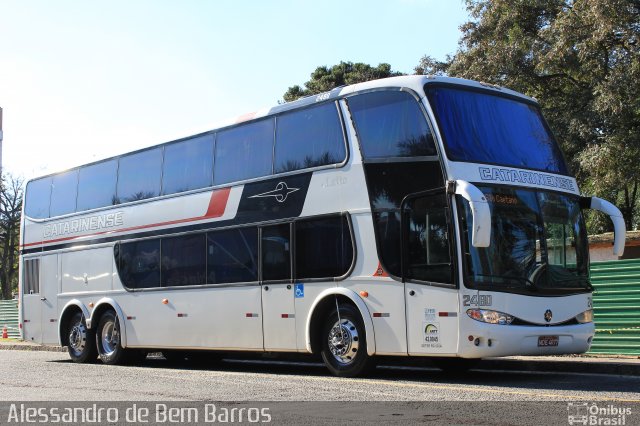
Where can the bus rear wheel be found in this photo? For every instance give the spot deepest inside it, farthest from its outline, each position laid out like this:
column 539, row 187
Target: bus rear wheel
column 81, row 340
column 344, row 344
column 109, row 345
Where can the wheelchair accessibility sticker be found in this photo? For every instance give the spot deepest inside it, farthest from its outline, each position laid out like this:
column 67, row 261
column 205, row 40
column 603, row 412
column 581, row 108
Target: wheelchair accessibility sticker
column 299, row 291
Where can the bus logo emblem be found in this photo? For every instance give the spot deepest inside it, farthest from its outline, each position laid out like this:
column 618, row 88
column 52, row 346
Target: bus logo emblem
column 548, row 315
column 281, row 192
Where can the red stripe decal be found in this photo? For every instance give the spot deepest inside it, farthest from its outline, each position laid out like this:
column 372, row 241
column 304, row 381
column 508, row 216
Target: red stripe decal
column 217, row 203
column 216, row 208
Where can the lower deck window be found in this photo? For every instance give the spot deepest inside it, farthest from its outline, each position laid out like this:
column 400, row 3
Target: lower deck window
column 139, row 263
column 31, row 279
column 183, row 260
column 232, row 256
column 323, row 249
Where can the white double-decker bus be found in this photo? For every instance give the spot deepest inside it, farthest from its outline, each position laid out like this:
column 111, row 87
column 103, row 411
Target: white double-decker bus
column 410, row 216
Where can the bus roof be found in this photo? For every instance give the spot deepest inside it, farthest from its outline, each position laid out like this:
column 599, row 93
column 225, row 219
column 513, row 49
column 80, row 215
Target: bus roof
column 413, row 82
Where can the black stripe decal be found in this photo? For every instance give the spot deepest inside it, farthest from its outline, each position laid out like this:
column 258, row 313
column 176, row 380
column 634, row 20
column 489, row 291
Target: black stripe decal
column 273, row 199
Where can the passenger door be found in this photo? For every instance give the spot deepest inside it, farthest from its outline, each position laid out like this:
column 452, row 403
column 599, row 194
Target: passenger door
column 31, row 310
column 40, row 299
column 278, row 308
column 49, row 282
column 428, row 272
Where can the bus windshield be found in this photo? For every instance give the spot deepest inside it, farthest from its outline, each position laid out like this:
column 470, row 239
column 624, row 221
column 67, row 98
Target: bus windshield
column 481, row 127
column 538, row 243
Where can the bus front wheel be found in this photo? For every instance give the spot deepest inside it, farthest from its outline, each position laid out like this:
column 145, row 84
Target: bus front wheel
column 344, row 343
column 81, row 344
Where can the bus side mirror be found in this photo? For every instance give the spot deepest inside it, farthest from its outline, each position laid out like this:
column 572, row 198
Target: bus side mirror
column 619, row 228
column 481, row 234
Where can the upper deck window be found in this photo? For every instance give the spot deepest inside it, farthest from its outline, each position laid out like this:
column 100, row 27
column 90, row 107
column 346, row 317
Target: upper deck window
column 63, row 193
column 97, row 185
column 391, row 124
column 188, row 165
column 480, row 127
column 139, row 175
column 309, row 138
column 244, row 152
column 38, row 196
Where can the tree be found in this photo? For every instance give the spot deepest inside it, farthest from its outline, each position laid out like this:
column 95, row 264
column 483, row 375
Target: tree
column 581, row 60
column 323, row 79
column 10, row 213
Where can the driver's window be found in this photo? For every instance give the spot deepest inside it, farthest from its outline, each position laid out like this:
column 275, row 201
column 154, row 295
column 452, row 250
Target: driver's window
column 427, row 246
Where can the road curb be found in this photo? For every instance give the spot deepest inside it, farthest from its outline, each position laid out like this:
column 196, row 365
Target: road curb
column 20, row 346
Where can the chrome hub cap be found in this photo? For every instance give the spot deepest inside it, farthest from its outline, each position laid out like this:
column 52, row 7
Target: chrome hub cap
column 78, row 337
column 110, row 338
column 344, row 341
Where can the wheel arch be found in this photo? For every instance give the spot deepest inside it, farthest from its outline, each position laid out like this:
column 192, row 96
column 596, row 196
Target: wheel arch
column 324, row 303
column 104, row 305
column 66, row 313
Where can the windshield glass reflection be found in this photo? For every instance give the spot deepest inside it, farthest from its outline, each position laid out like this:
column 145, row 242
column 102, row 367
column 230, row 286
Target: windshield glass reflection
column 538, row 242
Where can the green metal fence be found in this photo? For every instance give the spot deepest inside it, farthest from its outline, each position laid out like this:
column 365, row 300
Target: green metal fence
column 9, row 317
column 616, row 306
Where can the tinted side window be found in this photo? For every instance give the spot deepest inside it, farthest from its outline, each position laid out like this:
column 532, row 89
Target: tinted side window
column 31, row 277
column 427, row 228
column 309, row 138
column 328, row 239
column 139, row 263
column 64, row 189
column 184, row 260
column 139, row 175
column 276, row 252
column 37, row 198
column 391, row 124
column 244, row 152
column 232, row 256
column 188, row 165
column 97, row 185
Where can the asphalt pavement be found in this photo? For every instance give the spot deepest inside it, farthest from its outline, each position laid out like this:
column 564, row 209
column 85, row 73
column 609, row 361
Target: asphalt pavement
column 592, row 364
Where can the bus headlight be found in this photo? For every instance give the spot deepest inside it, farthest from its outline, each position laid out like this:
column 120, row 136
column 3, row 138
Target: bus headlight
column 585, row 317
column 491, row 317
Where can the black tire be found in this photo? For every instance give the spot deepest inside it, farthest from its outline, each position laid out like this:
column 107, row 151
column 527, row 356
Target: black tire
column 455, row 366
column 81, row 340
column 109, row 345
column 346, row 355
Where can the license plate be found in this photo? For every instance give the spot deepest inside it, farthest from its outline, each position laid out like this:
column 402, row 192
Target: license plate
column 548, row 341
